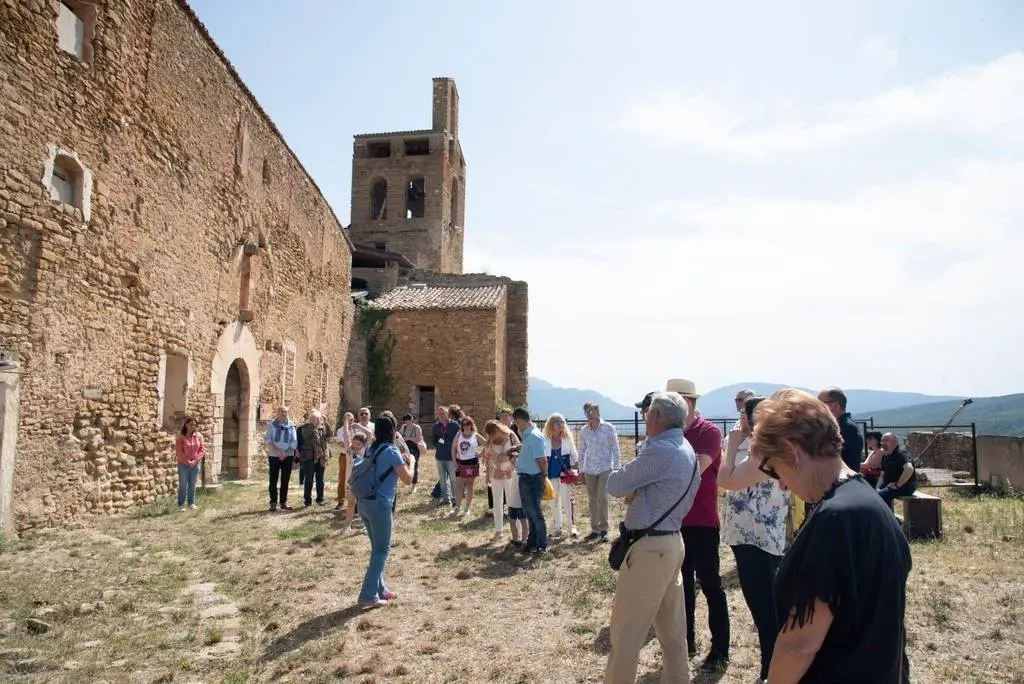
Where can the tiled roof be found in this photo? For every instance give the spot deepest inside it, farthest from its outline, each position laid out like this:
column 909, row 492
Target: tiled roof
column 424, row 298
column 387, row 134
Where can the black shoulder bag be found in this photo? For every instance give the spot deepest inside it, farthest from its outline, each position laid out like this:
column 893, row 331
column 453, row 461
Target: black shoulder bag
column 620, row 547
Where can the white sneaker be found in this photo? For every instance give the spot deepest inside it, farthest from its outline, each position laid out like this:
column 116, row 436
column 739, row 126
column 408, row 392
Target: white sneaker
column 556, row 533
column 181, row 509
column 465, row 513
column 194, row 507
column 574, row 532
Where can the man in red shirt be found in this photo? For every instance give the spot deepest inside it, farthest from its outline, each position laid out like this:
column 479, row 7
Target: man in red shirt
column 701, row 535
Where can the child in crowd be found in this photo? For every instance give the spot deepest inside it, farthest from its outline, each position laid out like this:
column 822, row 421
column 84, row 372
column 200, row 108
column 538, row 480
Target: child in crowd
column 356, row 449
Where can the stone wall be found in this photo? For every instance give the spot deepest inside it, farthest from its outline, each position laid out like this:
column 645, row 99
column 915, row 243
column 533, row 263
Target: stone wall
column 1001, row 462
column 451, row 351
column 516, row 333
column 201, row 238
column 951, row 451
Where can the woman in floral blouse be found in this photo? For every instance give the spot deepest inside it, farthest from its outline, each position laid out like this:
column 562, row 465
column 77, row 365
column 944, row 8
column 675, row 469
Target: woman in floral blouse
column 755, row 527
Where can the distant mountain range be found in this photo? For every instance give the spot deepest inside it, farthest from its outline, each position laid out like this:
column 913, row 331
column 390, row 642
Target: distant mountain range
column 992, row 415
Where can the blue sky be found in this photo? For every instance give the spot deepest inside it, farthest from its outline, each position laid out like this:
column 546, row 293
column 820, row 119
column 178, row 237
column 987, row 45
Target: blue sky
column 808, row 193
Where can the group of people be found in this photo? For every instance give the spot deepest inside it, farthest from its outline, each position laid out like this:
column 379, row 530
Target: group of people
column 790, row 461
column 828, row 605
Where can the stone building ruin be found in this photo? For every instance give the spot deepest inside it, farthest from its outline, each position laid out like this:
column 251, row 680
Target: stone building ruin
column 408, row 227
column 163, row 252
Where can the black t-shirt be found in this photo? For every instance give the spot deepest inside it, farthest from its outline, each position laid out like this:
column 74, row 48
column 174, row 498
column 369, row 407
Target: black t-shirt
column 852, row 555
column 892, row 465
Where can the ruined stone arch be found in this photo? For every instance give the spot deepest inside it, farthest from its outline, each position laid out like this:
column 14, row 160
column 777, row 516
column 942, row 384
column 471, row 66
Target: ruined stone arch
column 235, row 346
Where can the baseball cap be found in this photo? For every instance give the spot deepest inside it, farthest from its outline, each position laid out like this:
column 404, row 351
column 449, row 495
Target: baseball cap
column 646, row 403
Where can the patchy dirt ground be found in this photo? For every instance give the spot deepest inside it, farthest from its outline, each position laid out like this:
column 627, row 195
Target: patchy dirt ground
column 233, row 593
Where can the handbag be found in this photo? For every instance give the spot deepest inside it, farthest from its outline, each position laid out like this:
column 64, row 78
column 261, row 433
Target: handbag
column 549, row 491
column 620, row 547
column 572, row 478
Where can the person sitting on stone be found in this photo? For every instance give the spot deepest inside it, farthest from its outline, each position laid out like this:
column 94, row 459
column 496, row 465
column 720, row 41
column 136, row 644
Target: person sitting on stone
column 313, row 448
column 898, row 476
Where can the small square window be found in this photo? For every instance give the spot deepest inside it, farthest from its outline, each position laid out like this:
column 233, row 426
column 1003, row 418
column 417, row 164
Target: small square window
column 62, row 186
column 70, row 31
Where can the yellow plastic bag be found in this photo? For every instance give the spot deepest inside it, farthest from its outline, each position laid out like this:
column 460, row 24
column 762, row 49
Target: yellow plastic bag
column 549, row 490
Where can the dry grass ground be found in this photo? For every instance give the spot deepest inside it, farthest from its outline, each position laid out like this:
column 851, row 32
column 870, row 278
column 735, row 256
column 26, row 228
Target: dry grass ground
column 235, row 594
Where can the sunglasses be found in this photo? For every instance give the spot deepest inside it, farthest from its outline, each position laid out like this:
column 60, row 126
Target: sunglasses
column 467, row 425
column 767, row 469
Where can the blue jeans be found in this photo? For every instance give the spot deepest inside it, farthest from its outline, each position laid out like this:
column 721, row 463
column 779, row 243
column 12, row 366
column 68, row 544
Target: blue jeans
column 377, row 516
column 446, row 476
column 531, row 487
column 187, row 476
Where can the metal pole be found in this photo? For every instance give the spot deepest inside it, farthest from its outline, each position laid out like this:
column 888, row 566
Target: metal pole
column 974, row 448
column 636, row 427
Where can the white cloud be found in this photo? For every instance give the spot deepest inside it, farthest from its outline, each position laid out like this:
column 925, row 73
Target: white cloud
column 879, row 51
column 986, row 100
column 861, row 291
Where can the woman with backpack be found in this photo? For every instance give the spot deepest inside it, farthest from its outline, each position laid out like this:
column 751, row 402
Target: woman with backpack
column 374, row 483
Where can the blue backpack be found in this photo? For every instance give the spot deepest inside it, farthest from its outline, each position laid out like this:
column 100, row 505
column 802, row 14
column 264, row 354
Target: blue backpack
column 364, row 481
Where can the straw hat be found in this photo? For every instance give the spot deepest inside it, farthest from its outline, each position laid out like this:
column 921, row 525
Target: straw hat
column 683, row 387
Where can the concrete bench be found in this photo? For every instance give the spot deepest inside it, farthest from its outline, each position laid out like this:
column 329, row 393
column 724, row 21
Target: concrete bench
column 922, row 516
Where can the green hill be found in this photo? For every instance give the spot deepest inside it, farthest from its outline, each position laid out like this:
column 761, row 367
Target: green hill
column 992, row 415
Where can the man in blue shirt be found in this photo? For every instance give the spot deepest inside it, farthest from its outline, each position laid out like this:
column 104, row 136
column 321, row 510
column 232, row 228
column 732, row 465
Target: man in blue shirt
column 446, row 431
column 532, row 467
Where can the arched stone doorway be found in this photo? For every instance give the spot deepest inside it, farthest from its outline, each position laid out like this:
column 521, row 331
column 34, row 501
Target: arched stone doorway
column 234, row 384
column 235, row 392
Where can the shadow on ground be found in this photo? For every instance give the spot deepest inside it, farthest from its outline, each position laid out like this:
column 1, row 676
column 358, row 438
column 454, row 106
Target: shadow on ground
column 308, row 630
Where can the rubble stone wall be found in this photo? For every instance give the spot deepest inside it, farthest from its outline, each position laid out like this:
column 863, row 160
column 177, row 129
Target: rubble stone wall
column 198, row 224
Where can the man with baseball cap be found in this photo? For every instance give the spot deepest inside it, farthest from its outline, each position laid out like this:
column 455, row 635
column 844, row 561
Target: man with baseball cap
column 701, row 534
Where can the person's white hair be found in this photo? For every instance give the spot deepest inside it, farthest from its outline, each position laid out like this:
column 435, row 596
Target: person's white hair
column 671, row 408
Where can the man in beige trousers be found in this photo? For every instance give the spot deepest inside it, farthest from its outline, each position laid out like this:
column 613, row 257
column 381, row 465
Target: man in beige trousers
column 659, row 487
column 599, row 456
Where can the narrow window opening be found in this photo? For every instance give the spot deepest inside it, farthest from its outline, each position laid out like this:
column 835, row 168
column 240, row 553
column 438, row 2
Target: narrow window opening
column 382, row 246
column 416, row 199
column 267, row 174
column 379, row 200
column 378, row 150
column 417, row 148
column 288, row 372
column 70, row 31
column 62, row 184
column 175, row 405
column 455, row 217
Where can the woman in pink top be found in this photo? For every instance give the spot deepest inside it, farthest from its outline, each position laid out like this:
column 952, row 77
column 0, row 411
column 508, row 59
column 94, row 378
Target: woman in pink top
column 190, row 448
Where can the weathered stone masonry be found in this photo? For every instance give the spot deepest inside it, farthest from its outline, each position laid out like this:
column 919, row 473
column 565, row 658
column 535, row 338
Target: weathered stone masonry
column 163, row 251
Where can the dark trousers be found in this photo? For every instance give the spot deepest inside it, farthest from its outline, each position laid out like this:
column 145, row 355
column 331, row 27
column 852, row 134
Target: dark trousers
column 701, row 559
column 415, row 451
column 279, row 467
column 756, row 570
column 888, row 495
column 531, row 487
column 490, row 499
column 311, row 471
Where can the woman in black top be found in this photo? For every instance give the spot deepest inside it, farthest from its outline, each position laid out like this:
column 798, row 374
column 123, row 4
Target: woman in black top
column 841, row 589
